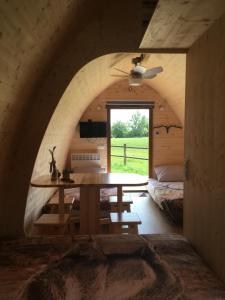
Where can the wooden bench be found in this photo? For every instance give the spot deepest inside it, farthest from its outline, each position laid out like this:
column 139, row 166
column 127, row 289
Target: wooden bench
column 74, row 223
column 54, row 203
column 125, row 205
column 52, row 223
column 124, row 222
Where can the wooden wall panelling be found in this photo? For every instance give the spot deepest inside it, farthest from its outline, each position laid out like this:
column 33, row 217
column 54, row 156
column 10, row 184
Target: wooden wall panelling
column 177, row 24
column 46, row 50
column 167, row 147
column 204, row 205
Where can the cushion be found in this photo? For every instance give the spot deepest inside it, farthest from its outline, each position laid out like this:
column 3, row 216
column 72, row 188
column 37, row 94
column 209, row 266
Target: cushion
column 169, row 173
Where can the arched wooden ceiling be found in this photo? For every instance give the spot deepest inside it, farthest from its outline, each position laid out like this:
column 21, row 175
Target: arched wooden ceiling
column 170, row 84
column 97, row 75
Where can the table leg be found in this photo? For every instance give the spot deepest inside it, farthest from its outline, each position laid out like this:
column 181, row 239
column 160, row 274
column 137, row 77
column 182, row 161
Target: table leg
column 89, row 209
column 61, row 200
column 120, row 198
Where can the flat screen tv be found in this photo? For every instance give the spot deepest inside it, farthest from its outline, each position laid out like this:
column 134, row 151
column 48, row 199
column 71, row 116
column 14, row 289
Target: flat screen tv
column 91, row 129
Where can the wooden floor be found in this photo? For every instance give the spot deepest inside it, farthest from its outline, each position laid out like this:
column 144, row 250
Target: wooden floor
column 153, row 219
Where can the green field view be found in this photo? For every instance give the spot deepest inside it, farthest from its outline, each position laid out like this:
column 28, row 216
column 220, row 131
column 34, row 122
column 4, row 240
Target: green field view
column 132, row 165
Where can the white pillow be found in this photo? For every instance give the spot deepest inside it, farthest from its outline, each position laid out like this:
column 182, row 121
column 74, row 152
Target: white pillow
column 169, row 173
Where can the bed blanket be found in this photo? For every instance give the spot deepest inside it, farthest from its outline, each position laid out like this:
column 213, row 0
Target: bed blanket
column 105, row 267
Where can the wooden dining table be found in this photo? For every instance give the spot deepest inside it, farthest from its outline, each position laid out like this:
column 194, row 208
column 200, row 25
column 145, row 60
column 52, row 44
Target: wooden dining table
column 90, row 185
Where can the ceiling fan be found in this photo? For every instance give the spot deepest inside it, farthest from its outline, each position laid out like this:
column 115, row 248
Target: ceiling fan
column 138, row 73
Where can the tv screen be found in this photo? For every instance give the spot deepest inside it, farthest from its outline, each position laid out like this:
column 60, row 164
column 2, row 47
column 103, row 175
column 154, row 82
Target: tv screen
column 92, row 129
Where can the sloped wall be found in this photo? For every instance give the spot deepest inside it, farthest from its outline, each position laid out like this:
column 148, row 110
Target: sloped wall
column 42, row 46
column 167, row 147
column 29, row 43
column 204, row 206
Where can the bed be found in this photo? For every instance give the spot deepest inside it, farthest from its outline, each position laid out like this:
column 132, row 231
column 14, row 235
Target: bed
column 105, row 267
column 166, row 190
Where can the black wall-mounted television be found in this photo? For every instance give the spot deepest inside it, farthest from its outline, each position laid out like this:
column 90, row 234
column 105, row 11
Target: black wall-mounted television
column 91, row 129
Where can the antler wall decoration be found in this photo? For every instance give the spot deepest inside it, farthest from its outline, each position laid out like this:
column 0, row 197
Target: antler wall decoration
column 167, row 127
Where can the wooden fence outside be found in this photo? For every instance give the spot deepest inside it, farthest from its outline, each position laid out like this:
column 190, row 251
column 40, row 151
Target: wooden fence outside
column 125, row 147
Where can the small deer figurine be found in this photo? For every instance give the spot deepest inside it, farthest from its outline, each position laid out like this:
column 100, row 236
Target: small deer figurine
column 55, row 174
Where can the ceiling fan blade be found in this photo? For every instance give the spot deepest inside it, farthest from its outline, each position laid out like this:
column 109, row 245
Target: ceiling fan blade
column 121, row 71
column 149, row 76
column 157, row 69
column 114, row 75
column 153, row 71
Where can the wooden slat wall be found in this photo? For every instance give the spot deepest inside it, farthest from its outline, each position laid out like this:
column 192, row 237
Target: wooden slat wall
column 43, row 44
column 204, row 206
column 167, row 148
column 177, row 24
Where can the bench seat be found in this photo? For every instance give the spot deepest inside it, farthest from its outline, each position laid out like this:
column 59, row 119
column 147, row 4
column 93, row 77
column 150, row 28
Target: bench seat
column 54, row 203
column 124, row 222
column 125, row 205
column 52, row 223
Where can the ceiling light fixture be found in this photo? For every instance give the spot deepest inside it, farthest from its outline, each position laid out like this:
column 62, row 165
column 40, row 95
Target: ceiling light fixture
column 135, row 81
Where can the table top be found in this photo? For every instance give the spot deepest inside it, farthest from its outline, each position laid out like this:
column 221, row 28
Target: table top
column 93, row 179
